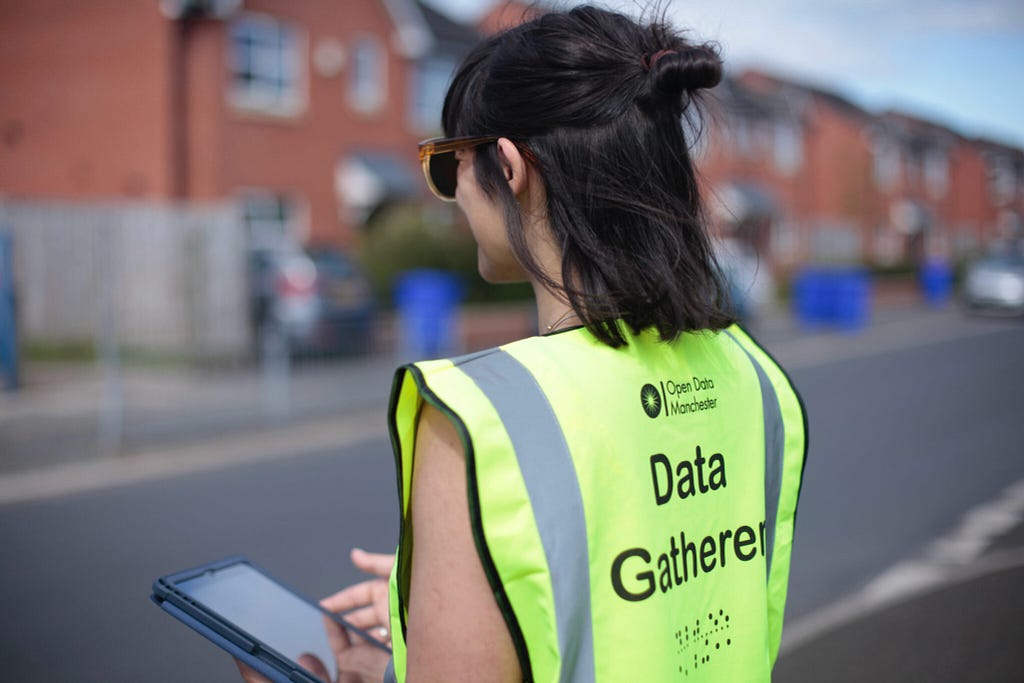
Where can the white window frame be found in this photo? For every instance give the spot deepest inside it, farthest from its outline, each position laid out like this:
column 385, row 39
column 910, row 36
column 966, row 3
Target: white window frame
column 787, row 148
column 368, row 73
column 286, row 221
column 276, row 58
column 886, row 163
column 429, row 84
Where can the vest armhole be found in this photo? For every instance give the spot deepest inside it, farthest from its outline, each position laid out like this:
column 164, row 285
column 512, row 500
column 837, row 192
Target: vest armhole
column 800, row 403
column 476, row 523
column 404, row 542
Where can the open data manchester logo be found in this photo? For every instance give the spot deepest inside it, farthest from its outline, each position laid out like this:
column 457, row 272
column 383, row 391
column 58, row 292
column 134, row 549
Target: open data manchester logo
column 650, row 399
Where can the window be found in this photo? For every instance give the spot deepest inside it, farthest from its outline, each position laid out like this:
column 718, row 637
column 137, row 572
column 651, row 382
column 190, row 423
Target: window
column 266, row 66
column 269, row 218
column 428, row 89
column 886, row 163
column 1001, row 180
column 743, row 138
column 368, row 83
column 787, row 150
column 913, row 165
column 936, row 172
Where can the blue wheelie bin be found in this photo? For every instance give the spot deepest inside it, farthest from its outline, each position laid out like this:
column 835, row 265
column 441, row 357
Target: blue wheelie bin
column 427, row 301
column 8, row 319
column 936, row 280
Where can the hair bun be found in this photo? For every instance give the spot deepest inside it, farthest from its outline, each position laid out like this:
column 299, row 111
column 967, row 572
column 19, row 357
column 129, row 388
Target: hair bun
column 674, row 72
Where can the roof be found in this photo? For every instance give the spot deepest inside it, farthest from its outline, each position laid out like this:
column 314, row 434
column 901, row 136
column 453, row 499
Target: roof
column 396, row 177
column 788, row 88
column 999, row 149
column 420, row 29
column 736, row 99
column 413, row 38
column 446, row 30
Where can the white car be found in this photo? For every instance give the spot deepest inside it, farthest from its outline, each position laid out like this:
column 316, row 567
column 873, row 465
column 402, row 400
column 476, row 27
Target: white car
column 995, row 283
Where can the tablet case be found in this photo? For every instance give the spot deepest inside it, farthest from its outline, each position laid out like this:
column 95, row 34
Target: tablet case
column 234, row 643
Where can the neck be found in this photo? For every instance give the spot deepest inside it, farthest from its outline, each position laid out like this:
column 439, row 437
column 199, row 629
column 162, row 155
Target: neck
column 552, row 310
column 551, row 305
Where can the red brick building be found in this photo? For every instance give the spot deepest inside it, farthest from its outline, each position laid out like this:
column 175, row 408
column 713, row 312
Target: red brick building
column 505, row 14
column 306, row 111
column 805, row 174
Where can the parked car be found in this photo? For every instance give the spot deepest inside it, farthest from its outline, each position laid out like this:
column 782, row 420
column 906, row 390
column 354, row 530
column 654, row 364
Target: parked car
column 319, row 299
column 995, row 283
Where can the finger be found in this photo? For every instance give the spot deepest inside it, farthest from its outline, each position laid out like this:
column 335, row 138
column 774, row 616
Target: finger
column 382, row 611
column 382, row 634
column 250, row 675
column 364, row 618
column 312, row 663
column 337, row 639
column 378, row 564
column 364, row 663
column 356, row 595
column 377, row 635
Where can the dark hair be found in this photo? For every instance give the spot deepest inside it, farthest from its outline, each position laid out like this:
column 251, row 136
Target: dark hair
column 599, row 100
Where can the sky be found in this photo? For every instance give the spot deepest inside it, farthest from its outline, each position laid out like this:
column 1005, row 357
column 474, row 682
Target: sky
column 956, row 62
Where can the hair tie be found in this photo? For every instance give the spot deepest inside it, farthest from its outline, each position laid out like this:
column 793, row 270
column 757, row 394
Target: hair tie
column 649, row 62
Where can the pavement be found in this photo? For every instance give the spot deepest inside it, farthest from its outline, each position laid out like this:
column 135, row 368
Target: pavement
column 953, row 613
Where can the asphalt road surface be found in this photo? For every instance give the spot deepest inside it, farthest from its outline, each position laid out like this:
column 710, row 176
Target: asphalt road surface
column 904, row 439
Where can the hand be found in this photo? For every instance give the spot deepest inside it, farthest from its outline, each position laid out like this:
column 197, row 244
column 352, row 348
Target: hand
column 367, row 600
column 355, row 660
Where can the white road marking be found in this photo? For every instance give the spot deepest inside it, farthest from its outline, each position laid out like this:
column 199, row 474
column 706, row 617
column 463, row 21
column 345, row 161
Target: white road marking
column 210, row 454
column 949, row 559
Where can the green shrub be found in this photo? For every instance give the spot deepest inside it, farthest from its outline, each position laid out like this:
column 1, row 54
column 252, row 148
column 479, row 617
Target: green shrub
column 408, row 236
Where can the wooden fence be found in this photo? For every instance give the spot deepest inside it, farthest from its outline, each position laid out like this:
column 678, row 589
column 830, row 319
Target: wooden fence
column 157, row 277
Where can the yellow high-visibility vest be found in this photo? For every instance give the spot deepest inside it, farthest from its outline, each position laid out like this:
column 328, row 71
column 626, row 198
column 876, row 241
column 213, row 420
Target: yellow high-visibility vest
column 633, row 508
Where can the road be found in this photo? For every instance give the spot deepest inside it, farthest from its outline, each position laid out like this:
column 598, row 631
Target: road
column 902, row 444
column 905, row 437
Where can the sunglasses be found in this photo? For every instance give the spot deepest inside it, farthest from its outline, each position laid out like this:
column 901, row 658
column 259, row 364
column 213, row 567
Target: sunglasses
column 440, row 167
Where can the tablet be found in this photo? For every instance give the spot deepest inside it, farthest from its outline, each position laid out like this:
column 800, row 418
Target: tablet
column 255, row 618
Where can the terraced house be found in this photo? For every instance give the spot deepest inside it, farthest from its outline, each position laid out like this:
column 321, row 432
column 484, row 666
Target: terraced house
column 135, row 137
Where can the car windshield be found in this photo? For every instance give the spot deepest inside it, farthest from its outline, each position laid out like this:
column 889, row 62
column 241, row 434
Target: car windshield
column 1015, row 260
column 1006, row 255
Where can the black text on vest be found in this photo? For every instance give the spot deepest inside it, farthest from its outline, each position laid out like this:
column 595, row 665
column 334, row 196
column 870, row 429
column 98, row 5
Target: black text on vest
column 688, row 478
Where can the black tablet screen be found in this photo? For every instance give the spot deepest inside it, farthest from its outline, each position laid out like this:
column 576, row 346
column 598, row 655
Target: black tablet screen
column 265, row 610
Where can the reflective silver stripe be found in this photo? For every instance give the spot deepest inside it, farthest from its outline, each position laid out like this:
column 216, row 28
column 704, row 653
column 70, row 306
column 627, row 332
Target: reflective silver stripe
column 550, row 477
column 389, row 673
column 774, row 445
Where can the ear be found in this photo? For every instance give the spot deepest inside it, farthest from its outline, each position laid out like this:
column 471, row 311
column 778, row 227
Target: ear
column 513, row 165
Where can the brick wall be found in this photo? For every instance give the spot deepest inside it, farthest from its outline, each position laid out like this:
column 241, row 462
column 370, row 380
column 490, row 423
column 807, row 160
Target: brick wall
column 84, row 107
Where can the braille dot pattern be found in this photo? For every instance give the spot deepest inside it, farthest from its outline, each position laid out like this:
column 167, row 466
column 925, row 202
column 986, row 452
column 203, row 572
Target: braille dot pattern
column 702, row 638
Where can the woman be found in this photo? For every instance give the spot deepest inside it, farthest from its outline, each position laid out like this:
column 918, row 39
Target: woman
column 613, row 499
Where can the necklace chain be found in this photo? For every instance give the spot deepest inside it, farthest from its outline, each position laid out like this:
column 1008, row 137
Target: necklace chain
column 565, row 316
